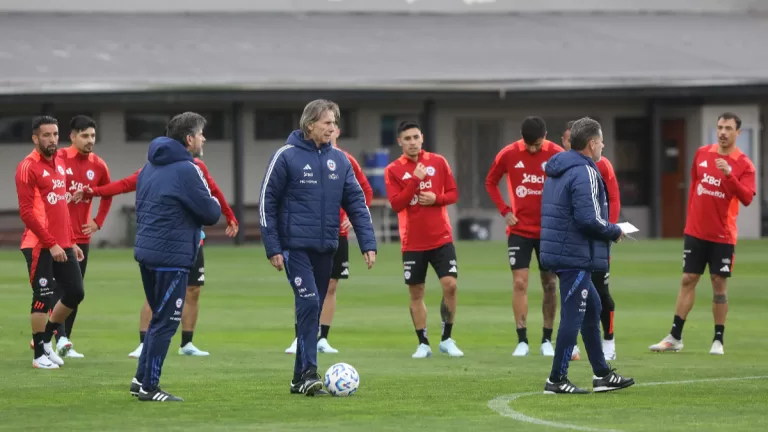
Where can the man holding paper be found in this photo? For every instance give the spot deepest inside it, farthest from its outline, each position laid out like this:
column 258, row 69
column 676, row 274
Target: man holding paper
column 575, row 242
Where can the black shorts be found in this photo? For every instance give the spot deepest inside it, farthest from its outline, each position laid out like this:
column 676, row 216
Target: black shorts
column 341, row 260
column 698, row 253
column 46, row 276
column 600, row 281
column 85, row 247
column 520, row 249
column 442, row 259
column 197, row 272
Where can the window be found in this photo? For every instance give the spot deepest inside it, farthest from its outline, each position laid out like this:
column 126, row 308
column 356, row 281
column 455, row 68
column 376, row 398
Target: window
column 477, row 143
column 144, row 126
column 633, row 160
column 18, row 128
column 277, row 124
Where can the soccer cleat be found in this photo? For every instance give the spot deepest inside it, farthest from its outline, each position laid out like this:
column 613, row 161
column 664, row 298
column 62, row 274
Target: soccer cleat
column 669, row 343
column 521, row 350
column 158, row 396
column 547, row 349
column 717, row 348
column 51, row 354
column 137, row 352
column 74, row 354
column 191, row 350
column 324, row 347
column 449, row 347
column 423, row 351
column 576, row 354
column 292, row 349
column 295, row 385
column 63, row 345
column 610, row 382
column 43, row 362
column 562, row 387
column 310, row 383
column 609, row 350
column 135, row 387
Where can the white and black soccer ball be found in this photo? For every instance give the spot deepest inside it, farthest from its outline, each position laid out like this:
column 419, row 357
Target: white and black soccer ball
column 341, row 379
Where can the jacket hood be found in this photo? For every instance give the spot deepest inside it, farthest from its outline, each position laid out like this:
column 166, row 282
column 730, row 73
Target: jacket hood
column 165, row 151
column 296, row 139
column 561, row 162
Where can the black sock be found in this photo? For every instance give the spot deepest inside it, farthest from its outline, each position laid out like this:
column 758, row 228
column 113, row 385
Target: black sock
column 719, row 330
column 37, row 339
column 522, row 335
column 547, row 335
column 50, row 327
column 70, row 322
column 186, row 337
column 142, row 335
column 422, row 335
column 447, row 328
column 324, row 330
column 677, row 328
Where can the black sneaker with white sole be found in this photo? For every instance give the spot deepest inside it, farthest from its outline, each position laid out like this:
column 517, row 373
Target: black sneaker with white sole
column 135, row 387
column 310, row 383
column 610, row 382
column 295, row 385
column 562, row 387
column 158, row 395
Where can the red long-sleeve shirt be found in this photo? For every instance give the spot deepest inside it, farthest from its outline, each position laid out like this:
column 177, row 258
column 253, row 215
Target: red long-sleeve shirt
column 614, row 200
column 41, row 186
column 84, row 171
column 367, row 189
column 421, row 227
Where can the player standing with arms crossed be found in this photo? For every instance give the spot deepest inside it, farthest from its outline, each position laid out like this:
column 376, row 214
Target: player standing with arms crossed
column 420, row 186
column 721, row 177
column 599, row 278
column 48, row 242
column 340, row 259
column 523, row 162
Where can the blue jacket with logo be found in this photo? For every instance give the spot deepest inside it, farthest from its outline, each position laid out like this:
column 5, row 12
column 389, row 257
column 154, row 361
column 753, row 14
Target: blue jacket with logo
column 301, row 195
column 575, row 232
column 173, row 203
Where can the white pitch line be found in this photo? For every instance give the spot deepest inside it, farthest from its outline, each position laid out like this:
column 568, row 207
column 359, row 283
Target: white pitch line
column 500, row 404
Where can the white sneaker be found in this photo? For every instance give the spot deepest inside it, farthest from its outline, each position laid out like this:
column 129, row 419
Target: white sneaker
column 292, row 349
column 521, row 350
column 717, row 348
column 609, row 349
column 63, row 345
column 669, row 343
column 191, row 350
column 137, row 352
column 449, row 347
column 547, row 349
column 324, row 347
column 423, row 351
column 43, row 362
column 576, row 354
column 51, row 354
column 74, row 354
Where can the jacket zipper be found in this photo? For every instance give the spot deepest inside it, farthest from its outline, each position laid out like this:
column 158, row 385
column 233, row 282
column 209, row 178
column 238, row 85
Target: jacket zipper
column 322, row 199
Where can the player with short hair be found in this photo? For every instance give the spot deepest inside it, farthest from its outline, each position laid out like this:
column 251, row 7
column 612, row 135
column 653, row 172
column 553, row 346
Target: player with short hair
column 722, row 176
column 340, row 260
column 197, row 273
column 48, row 243
column 84, row 169
column 420, row 186
column 599, row 278
column 523, row 162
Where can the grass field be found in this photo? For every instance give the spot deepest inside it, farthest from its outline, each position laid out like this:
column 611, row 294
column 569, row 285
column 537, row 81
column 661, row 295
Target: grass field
column 246, row 323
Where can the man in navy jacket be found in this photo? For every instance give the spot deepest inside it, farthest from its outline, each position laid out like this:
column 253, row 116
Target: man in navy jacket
column 307, row 183
column 575, row 241
column 173, row 202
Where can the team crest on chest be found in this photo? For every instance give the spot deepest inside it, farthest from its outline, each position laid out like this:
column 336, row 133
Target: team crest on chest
column 430, row 171
column 60, row 169
column 331, row 165
column 90, row 174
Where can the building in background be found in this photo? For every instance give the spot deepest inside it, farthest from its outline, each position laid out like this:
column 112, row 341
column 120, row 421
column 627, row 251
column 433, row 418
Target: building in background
column 656, row 81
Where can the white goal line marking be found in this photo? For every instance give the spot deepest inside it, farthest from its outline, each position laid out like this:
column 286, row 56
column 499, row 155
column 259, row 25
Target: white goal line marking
column 500, row 404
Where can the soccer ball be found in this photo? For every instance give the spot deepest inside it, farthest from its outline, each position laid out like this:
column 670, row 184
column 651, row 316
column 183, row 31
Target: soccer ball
column 341, row 379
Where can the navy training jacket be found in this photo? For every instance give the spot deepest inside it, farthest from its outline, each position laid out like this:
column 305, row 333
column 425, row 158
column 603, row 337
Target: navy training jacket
column 575, row 232
column 303, row 191
column 173, row 202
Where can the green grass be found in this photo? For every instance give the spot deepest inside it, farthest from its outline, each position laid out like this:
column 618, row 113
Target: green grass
column 246, row 323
